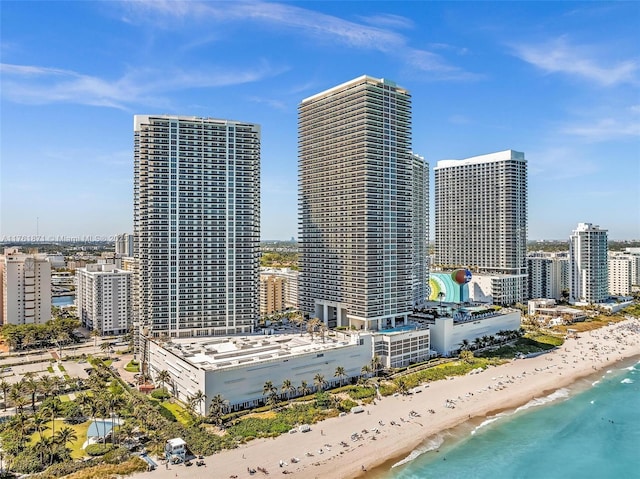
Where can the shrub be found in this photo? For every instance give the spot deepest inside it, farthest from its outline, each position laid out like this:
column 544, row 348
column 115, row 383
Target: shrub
column 98, row 449
column 160, row 394
column 346, row 405
column 360, row 392
column 116, row 456
column 65, row 468
column 27, row 462
column 165, row 413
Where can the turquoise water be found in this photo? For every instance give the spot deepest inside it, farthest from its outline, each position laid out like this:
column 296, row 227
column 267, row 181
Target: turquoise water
column 591, row 430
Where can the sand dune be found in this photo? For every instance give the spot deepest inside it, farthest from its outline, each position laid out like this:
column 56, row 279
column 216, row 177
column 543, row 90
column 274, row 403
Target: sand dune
column 439, row 406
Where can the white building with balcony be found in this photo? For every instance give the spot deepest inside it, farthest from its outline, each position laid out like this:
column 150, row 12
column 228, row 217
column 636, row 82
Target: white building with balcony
column 25, row 288
column 104, row 298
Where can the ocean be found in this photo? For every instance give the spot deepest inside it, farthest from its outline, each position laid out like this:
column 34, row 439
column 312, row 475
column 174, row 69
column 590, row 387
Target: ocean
column 589, row 430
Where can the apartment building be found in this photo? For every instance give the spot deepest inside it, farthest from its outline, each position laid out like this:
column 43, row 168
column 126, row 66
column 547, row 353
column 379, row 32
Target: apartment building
column 196, row 225
column 25, row 288
column 355, row 204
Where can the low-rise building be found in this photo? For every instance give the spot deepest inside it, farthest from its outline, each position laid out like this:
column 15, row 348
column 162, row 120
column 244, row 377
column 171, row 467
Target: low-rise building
column 237, row 367
column 469, row 323
column 500, row 289
column 402, row 346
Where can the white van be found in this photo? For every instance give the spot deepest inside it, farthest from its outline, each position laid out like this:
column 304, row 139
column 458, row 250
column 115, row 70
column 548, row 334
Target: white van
column 304, row 428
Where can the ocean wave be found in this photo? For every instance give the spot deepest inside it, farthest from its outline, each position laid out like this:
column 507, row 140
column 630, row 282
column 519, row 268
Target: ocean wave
column 631, row 368
column 559, row 394
column 488, row 421
column 431, row 445
column 627, row 381
column 595, row 382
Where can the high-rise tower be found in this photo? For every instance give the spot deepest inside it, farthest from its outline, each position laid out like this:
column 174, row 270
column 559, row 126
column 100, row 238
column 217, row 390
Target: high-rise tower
column 588, row 270
column 355, row 204
column 420, row 234
column 481, row 219
column 196, row 225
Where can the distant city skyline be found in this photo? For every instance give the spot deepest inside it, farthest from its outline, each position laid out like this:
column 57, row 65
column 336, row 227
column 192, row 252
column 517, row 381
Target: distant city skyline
column 557, row 80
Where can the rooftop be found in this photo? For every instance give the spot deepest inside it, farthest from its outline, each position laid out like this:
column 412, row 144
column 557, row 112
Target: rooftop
column 229, row 351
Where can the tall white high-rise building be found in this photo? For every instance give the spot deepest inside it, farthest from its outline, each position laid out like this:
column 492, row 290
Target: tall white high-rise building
column 588, row 264
column 124, row 244
column 104, row 298
column 420, row 233
column 548, row 275
column 481, row 218
column 196, row 225
column 355, row 204
column 621, row 267
column 25, row 288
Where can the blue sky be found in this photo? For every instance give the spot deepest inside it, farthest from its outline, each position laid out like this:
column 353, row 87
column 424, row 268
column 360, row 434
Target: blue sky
column 558, row 81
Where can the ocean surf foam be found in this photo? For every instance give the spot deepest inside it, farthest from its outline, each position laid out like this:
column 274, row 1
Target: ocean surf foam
column 432, row 444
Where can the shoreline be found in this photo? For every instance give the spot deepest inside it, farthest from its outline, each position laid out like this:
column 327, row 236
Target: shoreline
column 441, row 406
column 382, row 470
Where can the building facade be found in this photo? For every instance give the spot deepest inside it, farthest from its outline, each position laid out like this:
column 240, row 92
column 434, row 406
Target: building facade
column 420, row 233
column 104, row 298
column 196, row 225
column 124, row 244
column 621, row 267
column 589, row 281
column 548, row 275
column 481, row 215
column 25, row 288
column 355, row 204
column 271, row 294
column 290, row 284
column 238, row 367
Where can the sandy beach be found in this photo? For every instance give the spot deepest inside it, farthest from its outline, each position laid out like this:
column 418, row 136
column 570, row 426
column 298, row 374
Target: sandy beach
column 353, row 445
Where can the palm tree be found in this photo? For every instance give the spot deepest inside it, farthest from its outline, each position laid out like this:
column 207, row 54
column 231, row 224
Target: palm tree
column 340, row 373
column 217, row 408
column 304, row 388
column 43, row 447
column 95, row 333
column 402, row 385
column 17, row 398
column 46, row 385
column 376, row 364
column 5, row 387
column 319, row 381
column 268, row 388
column 287, row 388
column 196, row 400
column 31, row 386
column 65, row 435
column 465, row 344
column 105, row 347
column 54, row 407
column 312, row 325
column 477, row 342
column 40, row 423
column 164, row 377
column 366, row 370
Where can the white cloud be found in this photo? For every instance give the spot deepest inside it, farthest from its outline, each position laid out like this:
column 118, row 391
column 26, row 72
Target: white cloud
column 611, row 125
column 42, row 85
column 560, row 163
column 389, row 20
column 325, row 28
column 605, row 129
column 558, row 56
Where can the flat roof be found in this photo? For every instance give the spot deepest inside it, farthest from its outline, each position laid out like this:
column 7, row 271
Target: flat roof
column 212, row 353
column 488, row 158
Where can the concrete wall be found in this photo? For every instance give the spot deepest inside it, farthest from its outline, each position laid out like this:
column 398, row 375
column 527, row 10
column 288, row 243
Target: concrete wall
column 446, row 336
column 243, row 385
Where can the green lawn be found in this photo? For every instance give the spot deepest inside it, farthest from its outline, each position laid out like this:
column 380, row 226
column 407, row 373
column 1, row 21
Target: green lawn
column 178, row 412
column 76, row 447
column 133, row 367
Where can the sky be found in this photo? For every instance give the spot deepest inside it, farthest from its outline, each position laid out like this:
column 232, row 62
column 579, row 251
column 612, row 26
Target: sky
column 559, row 81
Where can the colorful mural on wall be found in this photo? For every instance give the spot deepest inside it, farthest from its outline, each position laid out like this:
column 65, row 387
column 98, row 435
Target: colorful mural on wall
column 453, row 286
